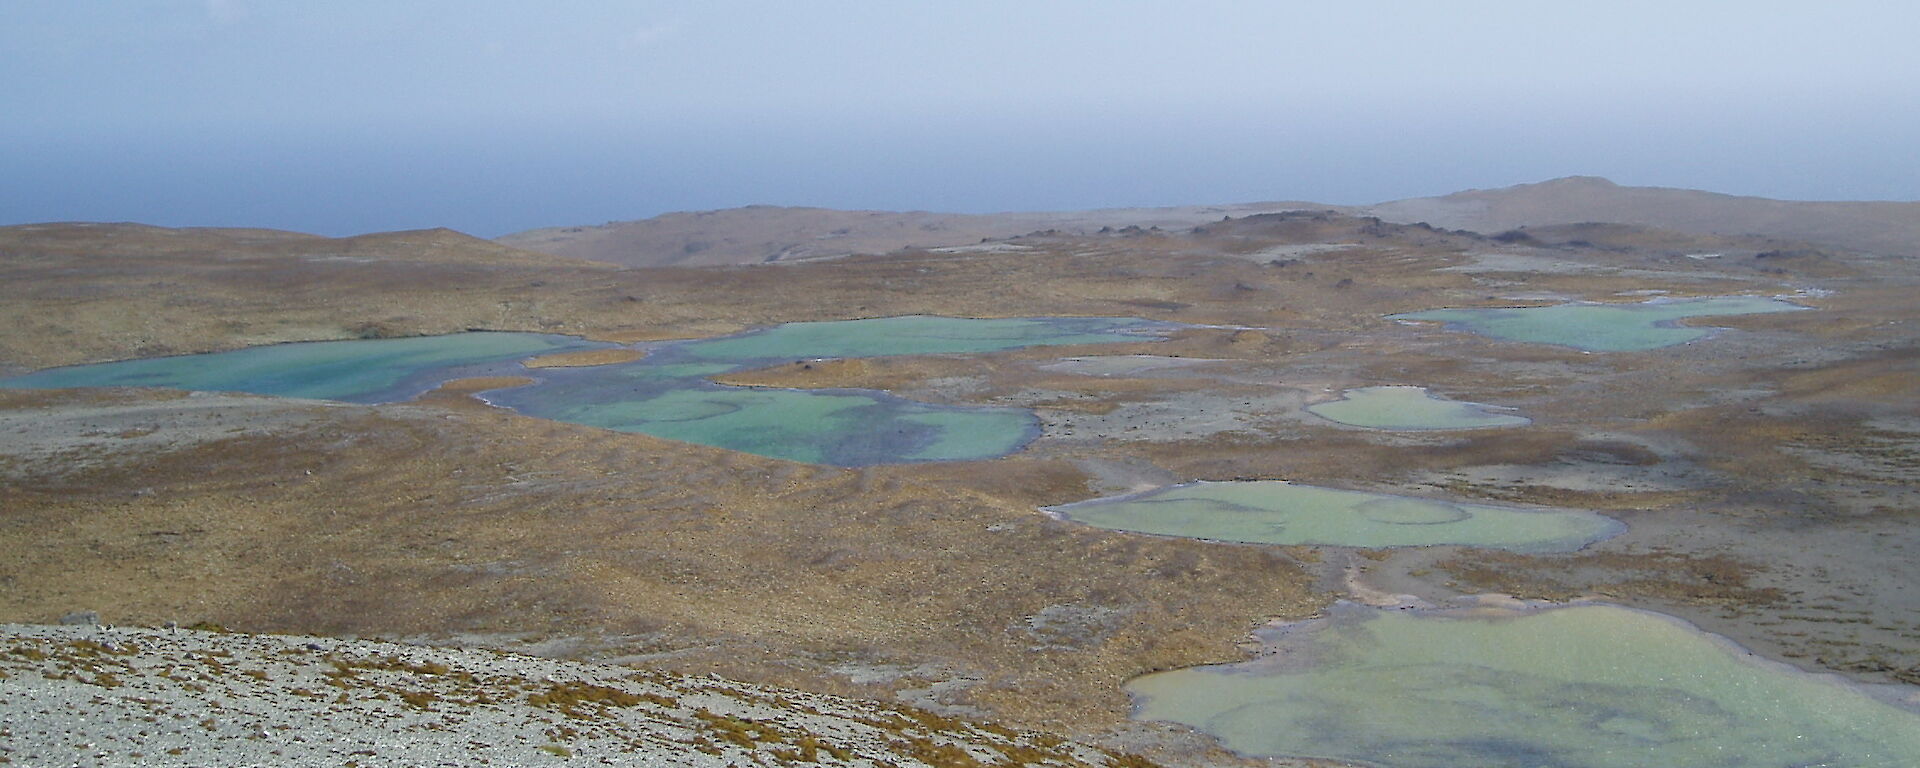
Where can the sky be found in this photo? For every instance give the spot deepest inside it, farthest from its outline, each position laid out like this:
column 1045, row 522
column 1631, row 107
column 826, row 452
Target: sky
column 352, row 116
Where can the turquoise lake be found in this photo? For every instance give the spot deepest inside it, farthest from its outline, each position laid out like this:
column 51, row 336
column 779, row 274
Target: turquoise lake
column 666, row 393
column 1278, row 512
column 1601, row 327
column 1586, row 686
column 359, row 371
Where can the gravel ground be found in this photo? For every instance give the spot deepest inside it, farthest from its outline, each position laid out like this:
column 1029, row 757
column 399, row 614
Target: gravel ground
column 88, row 695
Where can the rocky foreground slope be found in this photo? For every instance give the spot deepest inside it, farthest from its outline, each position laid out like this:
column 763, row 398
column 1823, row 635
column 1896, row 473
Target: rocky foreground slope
column 97, row 696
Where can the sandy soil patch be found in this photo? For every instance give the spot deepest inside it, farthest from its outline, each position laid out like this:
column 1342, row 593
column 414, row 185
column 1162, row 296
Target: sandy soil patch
column 585, row 357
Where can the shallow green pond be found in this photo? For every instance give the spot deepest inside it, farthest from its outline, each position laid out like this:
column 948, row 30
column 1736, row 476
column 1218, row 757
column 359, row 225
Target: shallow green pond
column 1601, row 327
column 1588, row 686
column 1410, row 408
column 666, row 393
column 915, row 335
column 359, row 371
column 1278, row 512
column 843, row 427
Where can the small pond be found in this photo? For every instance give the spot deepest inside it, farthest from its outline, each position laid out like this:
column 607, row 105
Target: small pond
column 1279, row 512
column 1586, row 686
column 1411, row 408
column 917, row 335
column 845, row 427
column 664, row 394
column 1601, row 327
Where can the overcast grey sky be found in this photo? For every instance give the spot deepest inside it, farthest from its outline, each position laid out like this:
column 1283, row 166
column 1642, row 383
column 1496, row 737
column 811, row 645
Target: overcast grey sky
column 491, row 117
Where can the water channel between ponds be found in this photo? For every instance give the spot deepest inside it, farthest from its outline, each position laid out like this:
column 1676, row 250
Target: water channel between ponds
column 664, row 394
column 1582, row 686
column 1411, row 408
column 1279, row 512
column 1601, row 327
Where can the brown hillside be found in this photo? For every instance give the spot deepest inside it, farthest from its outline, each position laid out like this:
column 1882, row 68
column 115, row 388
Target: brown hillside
column 1888, row 228
column 761, row 233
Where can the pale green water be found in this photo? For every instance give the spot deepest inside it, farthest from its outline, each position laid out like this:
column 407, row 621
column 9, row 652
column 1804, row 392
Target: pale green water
column 666, row 393
column 844, row 427
column 1278, row 512
column 985, row 432
column 359, row 371
column 1410, row 408
column 916, row 335
column 676, row 370
column 1589, row 686
column 1601, row 327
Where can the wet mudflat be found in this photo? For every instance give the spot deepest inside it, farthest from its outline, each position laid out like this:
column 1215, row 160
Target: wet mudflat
column 1602, row 327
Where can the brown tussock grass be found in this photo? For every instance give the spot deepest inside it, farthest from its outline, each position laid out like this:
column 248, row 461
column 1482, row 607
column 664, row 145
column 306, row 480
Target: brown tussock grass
column 583, row 358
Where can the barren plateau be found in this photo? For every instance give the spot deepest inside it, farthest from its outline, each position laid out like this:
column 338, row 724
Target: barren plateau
column 1767, row 473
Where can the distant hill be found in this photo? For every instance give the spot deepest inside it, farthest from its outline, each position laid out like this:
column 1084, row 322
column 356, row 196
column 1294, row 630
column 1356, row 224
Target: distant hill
column 1887, row 228
column 760, row 234
column 85, row 292
column 98, row 239
column 769, row 234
